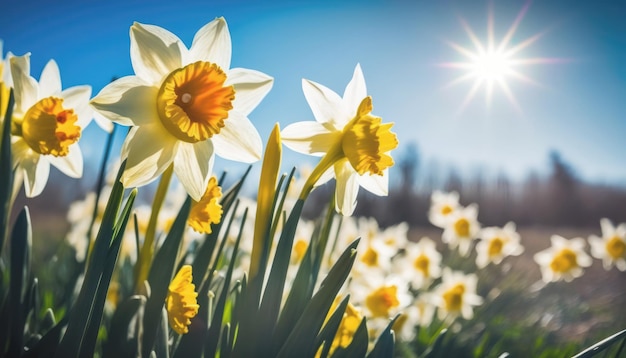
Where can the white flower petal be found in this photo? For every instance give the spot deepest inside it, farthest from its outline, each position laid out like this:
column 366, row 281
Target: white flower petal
column 250, row 88
column 309, row 138
column 50, row 80
column 77, row 98
column 36, row 171
column 150, row 150
column 325, row 104
column 24, row 86
column 355, row 91
column 347, row 188
column 375, row 184
column 71, row 164
column 102, row 122
column 127, row 101
column 238, row 140
column 212, row 43
column 192, row 165
column 154, row 52
column 325, row 177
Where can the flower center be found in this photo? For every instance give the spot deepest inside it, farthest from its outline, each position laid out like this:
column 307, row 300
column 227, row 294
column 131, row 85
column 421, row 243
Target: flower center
column 48, row 128
column 461, row 227
column 564, row 261
column 446, row 209
column 421, row 263
column 366, row 141
column 181, row 300
column 370, row 257
column 193, row 102
column 382, row 300
column 299, row 249
column 208, row 210
column 495, row 247
column 453, row 298
column 616, row 247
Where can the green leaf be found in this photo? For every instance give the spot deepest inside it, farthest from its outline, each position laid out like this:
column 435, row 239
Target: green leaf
column 604, row 344
column 91, row 331
column 213, row 334
column 385, row 342
column 81, row 312
column 437, row 349
column 21, row 243
column 301, row 341
column 329, row 331
column 160, row 277
column 122, row 335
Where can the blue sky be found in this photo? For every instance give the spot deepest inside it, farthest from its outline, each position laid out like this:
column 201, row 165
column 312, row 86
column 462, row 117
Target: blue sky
column 577, row 107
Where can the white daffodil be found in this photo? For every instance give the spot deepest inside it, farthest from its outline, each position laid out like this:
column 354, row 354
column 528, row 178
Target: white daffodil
column 185, row 106
column 442, row 205
column 497, row 243
column 611, row 247
column 462, row 228
column 565, row 259
column 355, row 144
column 456, row 295
column 47, row 123
column 420, row 264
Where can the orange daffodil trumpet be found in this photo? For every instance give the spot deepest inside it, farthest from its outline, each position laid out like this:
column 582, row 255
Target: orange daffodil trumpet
column 355, row 144
column 184, row 106
column 47, row 124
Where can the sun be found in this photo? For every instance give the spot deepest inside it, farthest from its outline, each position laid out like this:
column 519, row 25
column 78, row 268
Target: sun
column 492, row 66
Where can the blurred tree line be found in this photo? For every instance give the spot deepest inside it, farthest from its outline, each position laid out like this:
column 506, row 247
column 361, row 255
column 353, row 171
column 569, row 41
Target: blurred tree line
column 558, row 198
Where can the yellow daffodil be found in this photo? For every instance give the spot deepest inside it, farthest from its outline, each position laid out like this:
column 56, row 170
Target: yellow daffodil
column 208, row 210
column 496, row 243
column 355, row 144
column 181, row 301
column 420, row 264
column 184, row 106
column 47, row 123
column 456, row 295
column 611, row 247
column 565, row 259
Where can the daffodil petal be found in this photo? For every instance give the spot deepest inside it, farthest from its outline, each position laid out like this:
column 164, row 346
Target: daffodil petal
column 50, row 80
column 347, row 188
column 77, row 98
column 149, row 150
column 375, row 184
column 309, row 138
column 325, row 177
column 192, row 164
column 325, row 104
column 250, row 88
column 24, row 85
column 127, row 101
column 238, row 140
column 36, row 171
column 154, row 52
column 71, row 164
column 356, row 90
column 102, row 122
column 212, row 43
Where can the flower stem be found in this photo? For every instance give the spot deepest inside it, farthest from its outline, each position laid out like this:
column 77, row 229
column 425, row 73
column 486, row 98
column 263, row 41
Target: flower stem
column 327, row 161
column 144, row 259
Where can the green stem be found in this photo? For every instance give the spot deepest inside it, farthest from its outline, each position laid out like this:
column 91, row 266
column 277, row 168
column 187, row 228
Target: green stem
column 144, row 260
column 327, row 161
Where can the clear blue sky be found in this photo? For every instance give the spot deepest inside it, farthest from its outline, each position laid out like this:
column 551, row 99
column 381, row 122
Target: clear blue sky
column 579, row 108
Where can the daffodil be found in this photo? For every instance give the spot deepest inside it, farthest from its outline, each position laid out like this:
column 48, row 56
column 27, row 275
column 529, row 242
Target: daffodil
column 456, row 295
column 355, row 144
column 208, row 210
column 462, row 228
column 565, row 259
column 47, row 124
column 350, row 321
column 184, row 106
column 497, row 243
column 611, row 247
column 181, row 301
column 420, row 264
column 442, row 205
